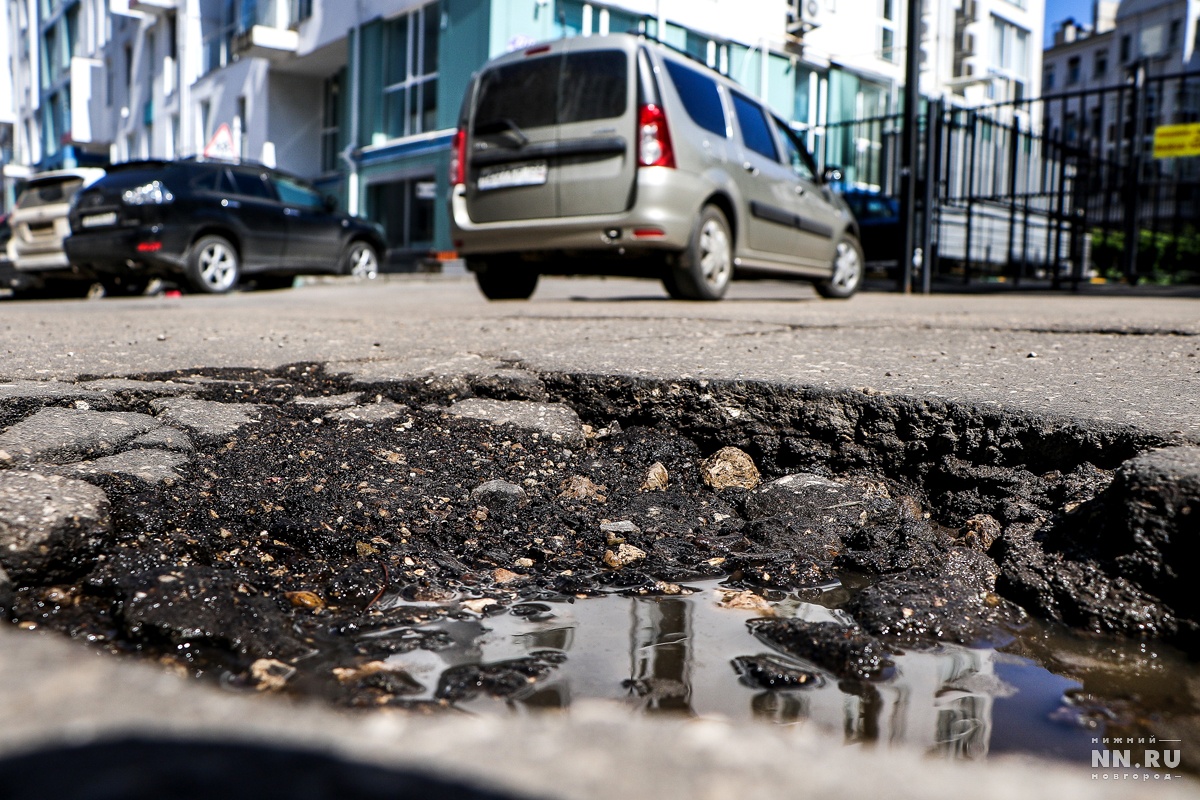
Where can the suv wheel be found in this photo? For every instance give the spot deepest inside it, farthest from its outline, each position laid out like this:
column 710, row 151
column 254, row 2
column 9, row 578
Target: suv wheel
column 505, row 279
column 706, row 267
column 212, row 265
column 360, row 261
column 847, row 270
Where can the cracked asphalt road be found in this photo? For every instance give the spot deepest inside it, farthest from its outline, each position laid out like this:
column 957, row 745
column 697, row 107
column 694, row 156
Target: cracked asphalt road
column 1128, row 359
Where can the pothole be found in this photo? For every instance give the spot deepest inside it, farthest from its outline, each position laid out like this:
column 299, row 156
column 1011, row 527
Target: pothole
column 892, row 570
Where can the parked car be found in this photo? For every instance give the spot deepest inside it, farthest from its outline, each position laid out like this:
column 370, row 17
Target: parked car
column 37, row 227
column 212, row 223
column 616, row 154
column 878, row 218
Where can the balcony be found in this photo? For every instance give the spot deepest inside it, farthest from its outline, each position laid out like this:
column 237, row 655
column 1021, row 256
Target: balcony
column 267, row 29
column 153, row 6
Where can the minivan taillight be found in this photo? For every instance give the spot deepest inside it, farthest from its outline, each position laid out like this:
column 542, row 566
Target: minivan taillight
column 654, row 140
column 458, row 158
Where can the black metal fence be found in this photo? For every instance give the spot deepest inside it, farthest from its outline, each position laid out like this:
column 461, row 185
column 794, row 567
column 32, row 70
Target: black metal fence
column 1063, row 188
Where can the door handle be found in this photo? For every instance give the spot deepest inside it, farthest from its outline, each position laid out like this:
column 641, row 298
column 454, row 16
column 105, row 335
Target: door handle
column 226, row 203
column 746, row 165
column 291, row 212
column 800, row 190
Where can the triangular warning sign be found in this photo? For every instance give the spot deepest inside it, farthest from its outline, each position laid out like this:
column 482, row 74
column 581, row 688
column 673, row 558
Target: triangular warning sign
column 221, row 145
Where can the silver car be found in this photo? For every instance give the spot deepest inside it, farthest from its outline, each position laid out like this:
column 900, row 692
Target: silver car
column 618, row 155
column 39, row 226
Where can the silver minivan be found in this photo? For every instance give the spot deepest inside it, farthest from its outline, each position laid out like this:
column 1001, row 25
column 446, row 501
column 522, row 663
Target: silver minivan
column 618, row 155
column 39, row 226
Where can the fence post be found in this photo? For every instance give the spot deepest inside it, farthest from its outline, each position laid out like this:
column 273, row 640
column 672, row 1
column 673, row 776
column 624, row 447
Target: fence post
column 909, row 143
column 933, row 170
column 1133, row 179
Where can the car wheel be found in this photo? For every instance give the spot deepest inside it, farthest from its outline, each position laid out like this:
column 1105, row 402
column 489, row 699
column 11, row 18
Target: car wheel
column 706, row 267
column 848, row 270
column 505, row 279
column 360, row 261
column 672, row 286
column 212, row 265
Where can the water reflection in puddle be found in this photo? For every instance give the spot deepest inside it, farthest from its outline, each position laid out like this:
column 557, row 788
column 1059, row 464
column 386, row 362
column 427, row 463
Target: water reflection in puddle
column 676, row 654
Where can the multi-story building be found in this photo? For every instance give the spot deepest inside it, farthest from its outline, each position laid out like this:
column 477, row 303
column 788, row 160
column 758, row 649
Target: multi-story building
column 362, row 96
column 1141, row 55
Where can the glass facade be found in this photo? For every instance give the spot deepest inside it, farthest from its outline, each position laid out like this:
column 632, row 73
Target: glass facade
column 409, row 57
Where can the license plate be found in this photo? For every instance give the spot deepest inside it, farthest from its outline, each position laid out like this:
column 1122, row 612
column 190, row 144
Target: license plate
column 96, row 220
column 532, row 174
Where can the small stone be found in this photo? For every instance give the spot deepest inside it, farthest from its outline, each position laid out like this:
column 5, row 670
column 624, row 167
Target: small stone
column 350, row 674
column 502, row 575
column 979, row 532
column 622, row 527
column 498, row 492
column 478, row 606
column 625, row 555
column 524, row 563
column 271, row 675
column 656, row 478
column 744, row 601
column 1032, row 355
column 309, row 600
column 580, row 487
column 373, row 412
column 729, row 468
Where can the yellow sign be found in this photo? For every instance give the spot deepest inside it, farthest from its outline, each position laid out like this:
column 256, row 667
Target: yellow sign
column 1176, row 141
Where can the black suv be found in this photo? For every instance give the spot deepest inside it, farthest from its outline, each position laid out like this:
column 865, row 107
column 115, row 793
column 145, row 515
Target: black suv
column 213, row 223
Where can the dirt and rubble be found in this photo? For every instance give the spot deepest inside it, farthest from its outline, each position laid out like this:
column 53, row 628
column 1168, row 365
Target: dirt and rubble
column 290, row 530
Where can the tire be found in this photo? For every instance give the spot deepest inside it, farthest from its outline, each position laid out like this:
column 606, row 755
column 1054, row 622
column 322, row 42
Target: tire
column 360, row 261
column 213, row 266
column 672, row 286
column 848, row 270
column 706, row 267
column 503, row 279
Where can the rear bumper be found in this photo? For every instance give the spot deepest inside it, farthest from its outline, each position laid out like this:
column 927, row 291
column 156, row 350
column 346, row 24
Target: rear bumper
column 661, row 219
column 124, row 251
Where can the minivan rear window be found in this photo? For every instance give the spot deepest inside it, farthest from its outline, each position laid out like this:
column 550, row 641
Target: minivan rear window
column 700, row 97
column 526, row 94
column 48, row 193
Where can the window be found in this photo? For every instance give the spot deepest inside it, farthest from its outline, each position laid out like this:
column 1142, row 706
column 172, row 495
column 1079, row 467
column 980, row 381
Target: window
column 793, row 151
column 1173, row 33
column 887, row 30
column 700, row 97
column 598, row 84
column 887, row 44
column 1010, row 49
column 251, row 184
column 1101, row 64
column 1073, row 70
column 753, row 124
column 410, row 72
column 1126, row 45
column 1048, row 78
column 331, row 118
column 526, row 94
column 294, row 193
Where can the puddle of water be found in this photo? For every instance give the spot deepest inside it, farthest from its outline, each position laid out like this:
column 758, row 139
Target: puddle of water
column 676, row 655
